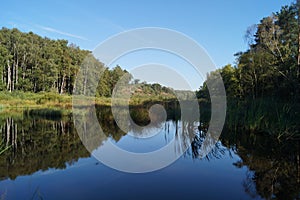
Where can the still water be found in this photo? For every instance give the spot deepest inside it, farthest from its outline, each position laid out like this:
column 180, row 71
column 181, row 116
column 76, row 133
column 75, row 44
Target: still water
column 47, row 160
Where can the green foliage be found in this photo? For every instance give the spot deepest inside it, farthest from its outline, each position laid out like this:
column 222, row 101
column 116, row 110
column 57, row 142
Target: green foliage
column 273, row 117
column 30, row 63
column 263, row 87
column 269, row 67
column 104, row 86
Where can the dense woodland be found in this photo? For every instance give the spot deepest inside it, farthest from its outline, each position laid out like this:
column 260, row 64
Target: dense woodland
column 271, row 66
column 31, row 63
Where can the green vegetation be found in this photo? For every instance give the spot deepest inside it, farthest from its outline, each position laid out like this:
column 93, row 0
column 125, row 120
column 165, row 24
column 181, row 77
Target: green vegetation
column 40, row 72
column 271, row 66
column 28, row 99
column 19, row 99
column 37, row 81
column 263, row 87
column 276, row 118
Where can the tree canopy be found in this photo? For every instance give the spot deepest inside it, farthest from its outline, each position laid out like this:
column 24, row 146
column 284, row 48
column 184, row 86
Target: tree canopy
column 270, row 67
column 31, row 63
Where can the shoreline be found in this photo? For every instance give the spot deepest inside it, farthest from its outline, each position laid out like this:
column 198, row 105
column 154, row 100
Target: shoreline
column 23, row 100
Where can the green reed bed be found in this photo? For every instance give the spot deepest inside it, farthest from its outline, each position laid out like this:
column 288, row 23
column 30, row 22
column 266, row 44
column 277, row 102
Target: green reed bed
column 272, row 116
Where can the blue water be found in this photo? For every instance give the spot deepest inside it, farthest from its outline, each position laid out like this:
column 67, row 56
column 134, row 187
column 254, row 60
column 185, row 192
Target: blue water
column 87, row 178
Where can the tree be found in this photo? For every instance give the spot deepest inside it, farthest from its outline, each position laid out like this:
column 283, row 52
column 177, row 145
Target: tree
column 270, row 67
column 231, row 81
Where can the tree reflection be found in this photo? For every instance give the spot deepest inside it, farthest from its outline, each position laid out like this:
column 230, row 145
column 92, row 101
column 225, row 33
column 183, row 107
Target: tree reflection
column 38, row 144
column 273, row 166
column 204, row 141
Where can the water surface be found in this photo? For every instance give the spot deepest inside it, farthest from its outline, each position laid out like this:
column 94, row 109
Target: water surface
column 47, row 160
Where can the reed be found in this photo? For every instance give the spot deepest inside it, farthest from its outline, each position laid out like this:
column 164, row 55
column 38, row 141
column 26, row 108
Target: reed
column 271, row 116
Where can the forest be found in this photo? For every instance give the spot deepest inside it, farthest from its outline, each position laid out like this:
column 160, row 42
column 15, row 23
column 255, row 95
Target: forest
column 31, row 63
column 270, row 68
column 262, row 88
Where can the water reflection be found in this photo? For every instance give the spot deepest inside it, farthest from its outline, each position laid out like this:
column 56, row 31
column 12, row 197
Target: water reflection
column 95, row 138
column 39, row 143
column 273, row 166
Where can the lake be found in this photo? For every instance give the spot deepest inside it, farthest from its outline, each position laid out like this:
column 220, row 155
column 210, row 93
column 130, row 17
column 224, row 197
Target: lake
column 47, row 160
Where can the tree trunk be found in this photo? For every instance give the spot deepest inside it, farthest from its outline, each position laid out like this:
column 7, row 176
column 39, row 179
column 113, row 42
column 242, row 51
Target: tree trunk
column 62, row 84
column 8, row 87
column 16, row 73
column 23, row 67
column 15, row 60
column 12, row 77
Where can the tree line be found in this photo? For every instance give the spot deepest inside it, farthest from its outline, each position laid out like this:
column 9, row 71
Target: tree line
column 271, row 65
column 269, row 68
column 31, row 63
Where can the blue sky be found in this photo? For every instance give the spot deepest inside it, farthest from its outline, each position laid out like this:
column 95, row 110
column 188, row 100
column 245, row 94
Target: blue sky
column 217, row 25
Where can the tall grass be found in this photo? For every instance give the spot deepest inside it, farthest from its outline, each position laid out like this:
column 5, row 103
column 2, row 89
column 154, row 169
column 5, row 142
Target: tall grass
column 28, row 99
column 19, row 99
column 271, row 116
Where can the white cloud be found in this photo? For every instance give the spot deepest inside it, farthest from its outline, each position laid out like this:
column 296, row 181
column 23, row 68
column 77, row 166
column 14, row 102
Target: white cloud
column 49, row 29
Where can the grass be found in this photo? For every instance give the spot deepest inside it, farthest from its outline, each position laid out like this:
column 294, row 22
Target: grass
column 18, row 99
column 52, row 105
column 26, row 99
column 271, row 116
